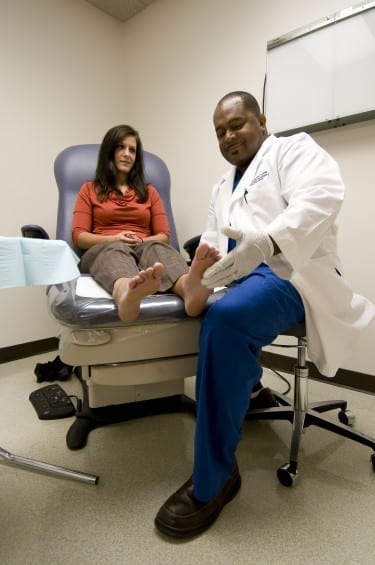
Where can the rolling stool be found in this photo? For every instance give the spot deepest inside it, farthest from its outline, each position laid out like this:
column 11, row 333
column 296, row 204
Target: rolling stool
column 302, row 414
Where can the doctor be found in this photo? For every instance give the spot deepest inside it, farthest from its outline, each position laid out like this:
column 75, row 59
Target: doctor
column 272, row 217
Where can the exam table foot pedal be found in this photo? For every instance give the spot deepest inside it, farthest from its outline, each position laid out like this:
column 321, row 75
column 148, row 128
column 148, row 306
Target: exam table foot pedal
column 51, row 403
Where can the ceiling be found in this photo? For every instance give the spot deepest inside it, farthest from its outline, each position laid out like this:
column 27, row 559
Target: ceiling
column 122, row 10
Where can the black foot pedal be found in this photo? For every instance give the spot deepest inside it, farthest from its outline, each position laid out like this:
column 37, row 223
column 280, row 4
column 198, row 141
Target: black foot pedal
column 51, row 402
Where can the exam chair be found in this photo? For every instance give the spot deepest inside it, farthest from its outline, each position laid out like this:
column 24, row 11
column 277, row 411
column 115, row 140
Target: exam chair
column 126, row 370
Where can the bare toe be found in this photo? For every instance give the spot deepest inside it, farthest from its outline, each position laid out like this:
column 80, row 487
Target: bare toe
column 195, row 294
column 145, row 283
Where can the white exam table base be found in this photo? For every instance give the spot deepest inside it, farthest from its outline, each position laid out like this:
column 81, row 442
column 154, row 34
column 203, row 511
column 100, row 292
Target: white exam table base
column 117, row 372
column 121, row 363
column 125, row 344
column 48, row 468
column 127, row 370
column 144, row 381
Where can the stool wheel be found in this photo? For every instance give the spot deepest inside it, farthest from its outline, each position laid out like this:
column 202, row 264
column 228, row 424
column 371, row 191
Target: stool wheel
column 347, row 417
column 287, row 474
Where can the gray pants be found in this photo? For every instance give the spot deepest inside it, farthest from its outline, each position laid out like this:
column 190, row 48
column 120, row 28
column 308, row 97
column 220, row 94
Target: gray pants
column 107, row 262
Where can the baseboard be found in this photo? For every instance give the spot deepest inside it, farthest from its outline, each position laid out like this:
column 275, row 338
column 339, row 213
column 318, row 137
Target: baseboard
column 350, row 379
column 22, row 350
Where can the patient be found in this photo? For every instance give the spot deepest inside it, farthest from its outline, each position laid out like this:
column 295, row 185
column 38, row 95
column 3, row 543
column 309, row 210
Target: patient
column 120, row 223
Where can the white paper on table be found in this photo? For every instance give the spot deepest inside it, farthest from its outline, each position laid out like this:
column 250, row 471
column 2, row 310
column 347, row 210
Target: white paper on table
column 89, row 288
column 27, row 261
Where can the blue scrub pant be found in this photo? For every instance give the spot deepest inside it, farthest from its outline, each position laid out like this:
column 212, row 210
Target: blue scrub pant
column 236, row 327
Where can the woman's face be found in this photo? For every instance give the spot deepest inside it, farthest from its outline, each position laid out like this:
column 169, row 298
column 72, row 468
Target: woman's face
column 125, row 155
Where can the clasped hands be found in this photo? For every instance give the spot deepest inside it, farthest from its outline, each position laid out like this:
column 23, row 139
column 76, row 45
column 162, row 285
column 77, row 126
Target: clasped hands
column 252, row 248
column 129, row 237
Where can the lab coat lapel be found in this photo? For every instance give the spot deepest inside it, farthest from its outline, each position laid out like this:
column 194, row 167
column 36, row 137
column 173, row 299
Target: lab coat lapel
column 244, row 185
column 226, row 195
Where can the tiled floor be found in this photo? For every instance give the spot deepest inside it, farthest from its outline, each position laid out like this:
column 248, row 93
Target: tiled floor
column 326, row 518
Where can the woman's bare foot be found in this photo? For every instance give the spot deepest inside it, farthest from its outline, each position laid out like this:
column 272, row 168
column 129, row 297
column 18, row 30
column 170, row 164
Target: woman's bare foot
column 128, row 293
column 195, row 295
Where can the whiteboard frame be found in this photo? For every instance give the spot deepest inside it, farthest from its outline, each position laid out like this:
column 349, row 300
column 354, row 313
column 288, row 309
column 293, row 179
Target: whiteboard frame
column 329, row 20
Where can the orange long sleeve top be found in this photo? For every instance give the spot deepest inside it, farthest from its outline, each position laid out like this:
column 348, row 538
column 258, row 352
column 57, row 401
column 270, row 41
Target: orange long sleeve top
column 118, row 213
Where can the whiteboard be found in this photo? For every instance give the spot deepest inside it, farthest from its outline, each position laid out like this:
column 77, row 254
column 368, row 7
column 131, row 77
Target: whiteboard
column 322, row 75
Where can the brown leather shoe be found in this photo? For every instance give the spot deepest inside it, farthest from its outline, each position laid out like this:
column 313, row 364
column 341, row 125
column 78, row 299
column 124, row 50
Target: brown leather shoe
column 183, row 516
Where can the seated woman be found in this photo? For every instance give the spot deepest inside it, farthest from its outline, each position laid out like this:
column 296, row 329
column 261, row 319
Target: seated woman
column 121, row 224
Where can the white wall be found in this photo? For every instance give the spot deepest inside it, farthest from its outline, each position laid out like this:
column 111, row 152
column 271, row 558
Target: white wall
column 61, row 84
column 193, row 52
column 164, row 71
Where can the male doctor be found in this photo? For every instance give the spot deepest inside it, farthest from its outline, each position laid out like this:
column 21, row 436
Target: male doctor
column 272, row 217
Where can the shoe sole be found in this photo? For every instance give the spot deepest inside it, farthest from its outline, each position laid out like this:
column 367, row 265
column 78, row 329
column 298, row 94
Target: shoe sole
column 180, row 533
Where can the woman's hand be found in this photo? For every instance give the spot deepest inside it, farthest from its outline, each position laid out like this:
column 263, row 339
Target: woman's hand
column 128, row 237
column 85, row 240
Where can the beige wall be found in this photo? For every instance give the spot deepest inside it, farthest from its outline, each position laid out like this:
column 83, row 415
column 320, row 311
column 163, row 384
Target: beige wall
column 60, row 85
column 75, row 72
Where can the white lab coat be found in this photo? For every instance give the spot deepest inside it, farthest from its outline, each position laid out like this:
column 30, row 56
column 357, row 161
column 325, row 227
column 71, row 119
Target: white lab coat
column 293, row 190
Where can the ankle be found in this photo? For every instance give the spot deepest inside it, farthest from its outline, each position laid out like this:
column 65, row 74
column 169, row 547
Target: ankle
column 179, row 286
column 120, row 286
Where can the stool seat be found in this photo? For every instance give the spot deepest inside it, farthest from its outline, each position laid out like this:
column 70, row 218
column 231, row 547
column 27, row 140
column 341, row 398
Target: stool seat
column 296, row 331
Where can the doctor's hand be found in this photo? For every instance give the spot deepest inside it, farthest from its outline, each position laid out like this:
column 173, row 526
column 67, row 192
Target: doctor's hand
column 252, row 248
